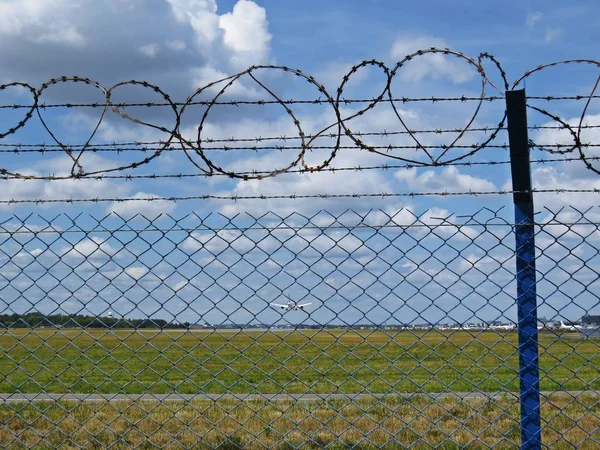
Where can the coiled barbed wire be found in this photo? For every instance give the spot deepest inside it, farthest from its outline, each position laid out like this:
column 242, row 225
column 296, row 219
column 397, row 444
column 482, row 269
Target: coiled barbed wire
column 198, row 149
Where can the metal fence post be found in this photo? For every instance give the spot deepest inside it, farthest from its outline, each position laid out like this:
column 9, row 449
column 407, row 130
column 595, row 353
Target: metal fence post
column 516, row 110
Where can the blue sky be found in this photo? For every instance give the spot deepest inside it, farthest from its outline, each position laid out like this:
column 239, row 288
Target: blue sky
column 182, row 45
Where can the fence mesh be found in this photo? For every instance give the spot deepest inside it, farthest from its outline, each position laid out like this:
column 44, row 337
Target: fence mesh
column 125, row 332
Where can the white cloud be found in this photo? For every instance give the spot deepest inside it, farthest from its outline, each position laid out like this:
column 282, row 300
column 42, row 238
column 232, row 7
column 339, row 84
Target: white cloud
column 436, row 66
column 201, row 15
column 533, row 18
column 150, row 50
column 39, row 21
column 60, row 34
column 136, row 272
column 115, row 40
column 60, row 189
column 485, row 263
column 218, row 242
column 556, row 179
column 90, row 248
column 180, row 285
column 183, row 9
column 243, row 31
column 448, row 179
column 176, row 45
column 332, row 73
column 141, row 205
column 567, row 175
column 553, row 34
column 307, row 184
column 203, row 76
column 246, row 33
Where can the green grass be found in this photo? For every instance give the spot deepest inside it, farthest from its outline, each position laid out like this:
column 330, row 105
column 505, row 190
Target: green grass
column 101, row 361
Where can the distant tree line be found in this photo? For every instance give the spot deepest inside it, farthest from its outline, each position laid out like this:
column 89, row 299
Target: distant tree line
column 37, row 320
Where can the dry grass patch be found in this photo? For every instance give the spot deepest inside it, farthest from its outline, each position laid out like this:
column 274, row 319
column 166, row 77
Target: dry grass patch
column 420, row 422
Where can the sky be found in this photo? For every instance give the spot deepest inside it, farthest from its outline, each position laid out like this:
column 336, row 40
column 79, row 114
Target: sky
column 182, row 46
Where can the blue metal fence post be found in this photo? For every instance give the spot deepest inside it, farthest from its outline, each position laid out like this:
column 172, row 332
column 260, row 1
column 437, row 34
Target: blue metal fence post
column 516, row 110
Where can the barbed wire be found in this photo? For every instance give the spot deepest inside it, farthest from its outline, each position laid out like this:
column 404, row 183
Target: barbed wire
column 283, row 137
column 561, row 97
column 236, row 198
column 357, row 168
column 255, row 148
column 199, row 149
column 555, row 148
column 317, row 101
column 43, row 145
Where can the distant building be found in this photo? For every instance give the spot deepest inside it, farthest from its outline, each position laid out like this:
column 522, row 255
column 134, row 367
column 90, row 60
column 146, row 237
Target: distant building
column 590, row 333
column 590, row 320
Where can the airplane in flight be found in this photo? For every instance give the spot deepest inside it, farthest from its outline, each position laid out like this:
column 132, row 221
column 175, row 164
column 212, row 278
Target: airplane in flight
column 291, row 305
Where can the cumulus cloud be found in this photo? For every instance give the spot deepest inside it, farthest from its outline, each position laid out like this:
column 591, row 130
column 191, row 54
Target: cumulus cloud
column 150, row 50
column 434, row 66
column 136, row 272
column 332, row 74
column 570, row 174
column 243, row 31
column 203, row 76
column 39, row 21
column 201, row 15
column 176, row 45
column 90, row 248
column 553, row 34
column 162, row 41
column 533, row 18
column 448, row 179
column 60, row 189
column 246, row 33
column 142, row 205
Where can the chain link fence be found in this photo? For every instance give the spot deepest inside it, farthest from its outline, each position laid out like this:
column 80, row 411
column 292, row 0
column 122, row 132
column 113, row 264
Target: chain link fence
column 130, row 332
column 360, row 328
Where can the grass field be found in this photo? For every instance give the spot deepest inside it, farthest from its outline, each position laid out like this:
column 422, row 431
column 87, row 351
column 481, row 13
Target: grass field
column 97, row 361
column 100, row 361
column 393, row 423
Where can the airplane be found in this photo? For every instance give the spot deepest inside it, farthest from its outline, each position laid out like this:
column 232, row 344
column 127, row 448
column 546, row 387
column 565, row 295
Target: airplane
column 569, row 327
column 291, row 305
column 503, row 327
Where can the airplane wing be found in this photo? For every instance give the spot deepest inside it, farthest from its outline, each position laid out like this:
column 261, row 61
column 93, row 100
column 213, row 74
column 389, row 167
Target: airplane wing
column 280, row 306
column 303, row 305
